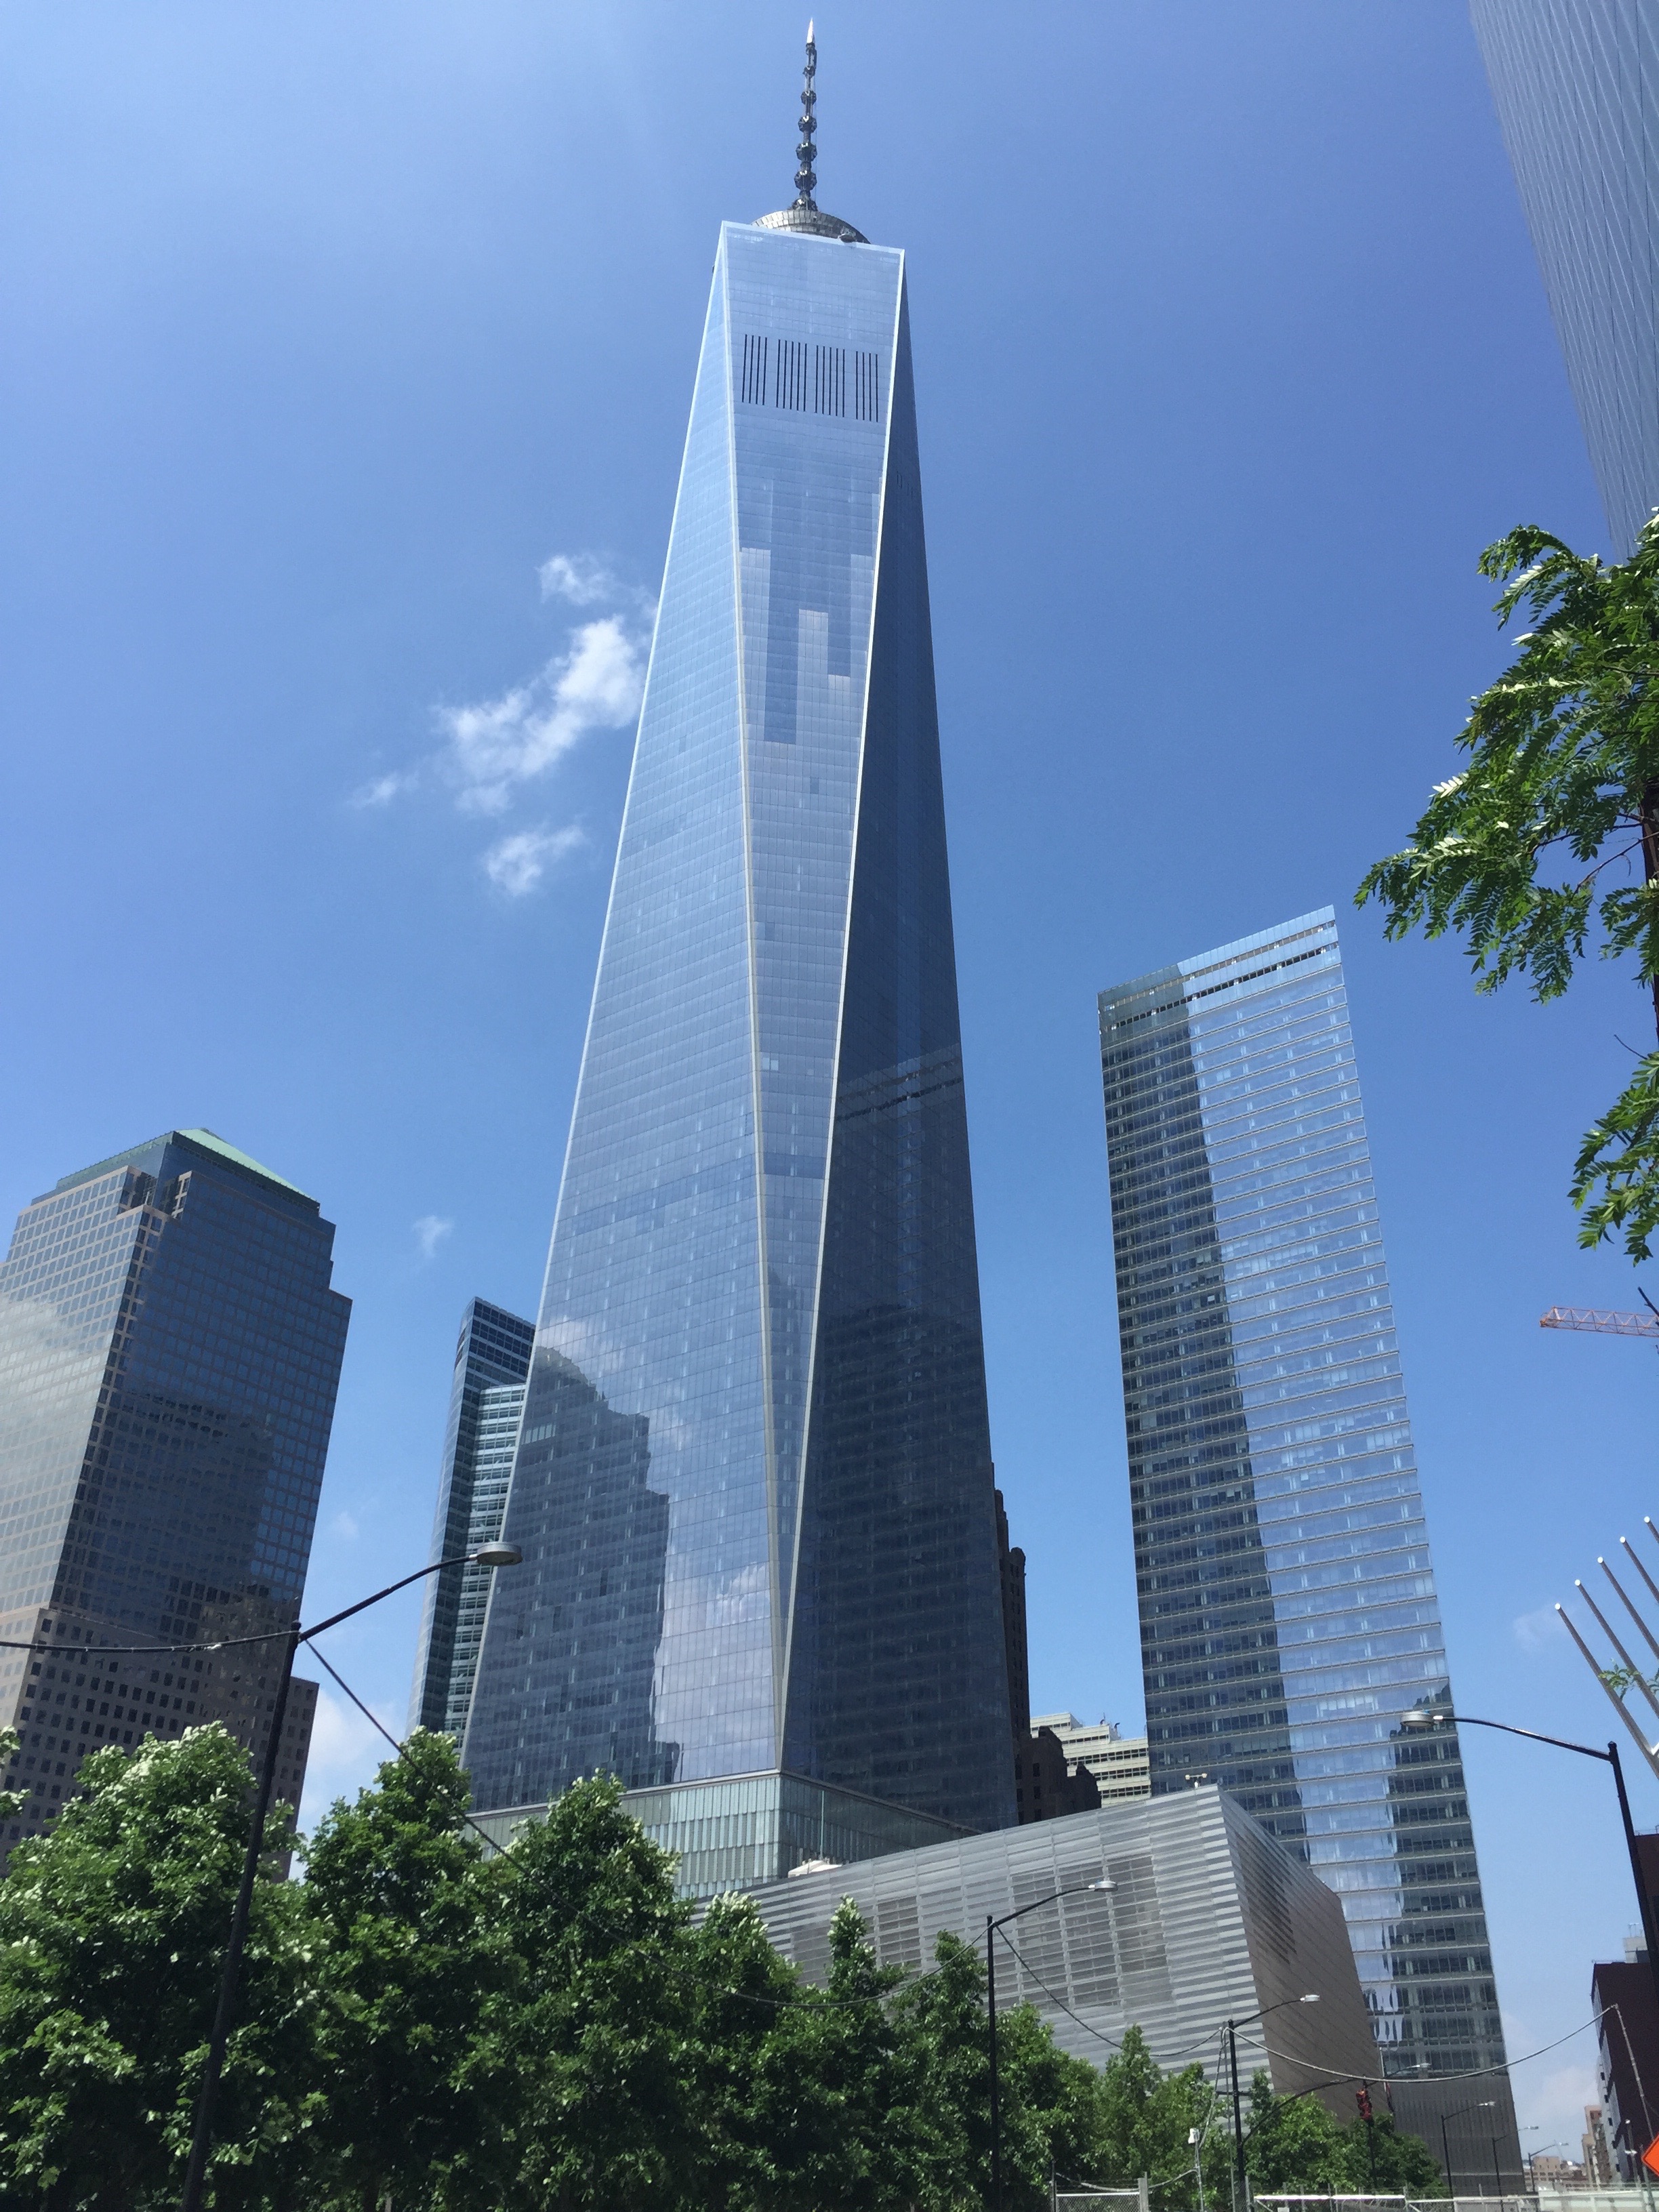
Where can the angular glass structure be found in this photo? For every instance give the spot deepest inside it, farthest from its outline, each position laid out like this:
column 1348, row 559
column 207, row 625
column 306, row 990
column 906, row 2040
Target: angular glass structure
column 1288, row 1612
column 1576, row 86
column 753, row 1485
column 486, row 1400
column 170, row 1347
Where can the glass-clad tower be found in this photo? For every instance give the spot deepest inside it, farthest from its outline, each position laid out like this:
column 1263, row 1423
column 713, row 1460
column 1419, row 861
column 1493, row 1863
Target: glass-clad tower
column 753, row 1485
column 1577, row 88
column 486, row 1400
column 170, row 1347
column 1288, row 1612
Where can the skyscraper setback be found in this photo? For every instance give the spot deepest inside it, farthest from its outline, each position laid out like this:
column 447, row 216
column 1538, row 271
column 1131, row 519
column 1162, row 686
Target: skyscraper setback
column 170, row 1347
column 753, row 1484
column 1288, row 1612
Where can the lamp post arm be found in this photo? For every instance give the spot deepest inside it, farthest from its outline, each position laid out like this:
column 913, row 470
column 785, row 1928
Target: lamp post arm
column 460, row 1560
column 1508, row 1727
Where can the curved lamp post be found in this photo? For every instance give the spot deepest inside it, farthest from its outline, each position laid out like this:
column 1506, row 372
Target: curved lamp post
column 1241, row 2184
column 487, row 1555
column 1485, row 2105
column 992, row 1924
column 1423, row 1717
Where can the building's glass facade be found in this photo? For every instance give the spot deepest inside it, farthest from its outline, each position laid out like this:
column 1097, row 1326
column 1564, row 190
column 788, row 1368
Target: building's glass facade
column 1576, row 86
column 170, row 1348
column 1288, row 1612
column 486, row 1398
column 753, row 1485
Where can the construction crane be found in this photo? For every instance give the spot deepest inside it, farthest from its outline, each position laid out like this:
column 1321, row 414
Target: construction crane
column 1602, row 1322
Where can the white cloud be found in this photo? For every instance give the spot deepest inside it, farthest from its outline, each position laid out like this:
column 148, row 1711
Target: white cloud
column 386, row 788
column 1539, row 1630
column 525, row 731
column 344, row 1526
column 517, row 864
column 430, row 1232
column 582, row 578
column 345, row 1753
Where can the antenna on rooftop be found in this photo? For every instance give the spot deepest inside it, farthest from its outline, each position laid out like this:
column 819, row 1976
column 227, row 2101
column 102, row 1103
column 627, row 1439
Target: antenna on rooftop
column 807, row 152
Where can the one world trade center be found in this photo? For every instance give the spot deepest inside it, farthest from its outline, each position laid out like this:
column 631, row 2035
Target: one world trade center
column 753, row 1482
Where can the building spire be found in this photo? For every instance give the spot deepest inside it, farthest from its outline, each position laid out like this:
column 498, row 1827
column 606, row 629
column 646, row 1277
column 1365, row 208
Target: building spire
column 807, row 152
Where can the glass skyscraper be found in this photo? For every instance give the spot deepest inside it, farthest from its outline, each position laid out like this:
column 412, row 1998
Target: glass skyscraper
column 486, row 1400
column 753, row 1484
column 1288, row 1612
column 1576, row 86
column 170, row 1348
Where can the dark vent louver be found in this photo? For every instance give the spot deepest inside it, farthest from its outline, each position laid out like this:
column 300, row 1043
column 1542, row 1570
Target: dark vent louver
column 790, row 388
column 755, row 352
column 829, row 380
column 866, row 387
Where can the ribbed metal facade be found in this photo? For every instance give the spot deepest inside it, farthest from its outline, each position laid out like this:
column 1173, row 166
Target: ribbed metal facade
column 1208, row 1919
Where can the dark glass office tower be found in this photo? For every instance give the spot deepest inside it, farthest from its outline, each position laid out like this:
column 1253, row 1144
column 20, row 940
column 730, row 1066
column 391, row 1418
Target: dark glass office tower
column 169, row 1353
column 1576, row 86
column 753, row 1485
column 1288, row 1612
column 485, row 1402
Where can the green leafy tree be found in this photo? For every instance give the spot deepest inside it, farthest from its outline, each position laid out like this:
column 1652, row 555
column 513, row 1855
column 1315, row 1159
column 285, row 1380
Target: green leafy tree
column 1564, row 764
column 836, row 2092
column 1295, row 2146
column 595, row 2029
column 1146, row 2116
column 396, row 1894
column 739, row 1986
column 112, row 1931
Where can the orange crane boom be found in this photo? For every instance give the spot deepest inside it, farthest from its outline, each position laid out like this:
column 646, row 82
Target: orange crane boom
column 1601, row 1320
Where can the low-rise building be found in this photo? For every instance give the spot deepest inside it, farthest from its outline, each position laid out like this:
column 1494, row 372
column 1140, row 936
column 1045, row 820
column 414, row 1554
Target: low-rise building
column 1207, row 1917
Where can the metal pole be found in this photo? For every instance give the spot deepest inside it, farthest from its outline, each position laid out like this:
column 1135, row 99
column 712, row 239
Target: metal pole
column 1642, row 1899
column 1497, row 2170
column 991, row 2010
column 1241, row 2184
column 202, row 2138
column 1445, row 2158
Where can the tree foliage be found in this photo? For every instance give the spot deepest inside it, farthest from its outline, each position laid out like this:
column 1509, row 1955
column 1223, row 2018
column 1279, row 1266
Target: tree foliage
column 550, row 2029
column 1564, row 766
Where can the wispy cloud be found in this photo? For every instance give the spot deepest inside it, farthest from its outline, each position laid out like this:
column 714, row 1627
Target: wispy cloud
column 430, row 1232
column 582, row 578
column 386, row 788
column 345, row 1751
column 1539, row 1630
column 517, row 862
column 523, row 733
column 344, row 1526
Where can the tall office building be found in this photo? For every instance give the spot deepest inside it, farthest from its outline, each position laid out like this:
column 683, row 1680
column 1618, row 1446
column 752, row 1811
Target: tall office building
column 486, row 1400
column 1577, row 88
column 1288, row 1613
column 753, row 1485
column 169, row 1353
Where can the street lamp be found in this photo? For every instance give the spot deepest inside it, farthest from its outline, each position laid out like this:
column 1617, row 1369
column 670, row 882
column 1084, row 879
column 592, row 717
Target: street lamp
column 1486, row 2105
column 1422, row 1717
column 487, row 1555
column 1240, row 2185
column 991, row 1927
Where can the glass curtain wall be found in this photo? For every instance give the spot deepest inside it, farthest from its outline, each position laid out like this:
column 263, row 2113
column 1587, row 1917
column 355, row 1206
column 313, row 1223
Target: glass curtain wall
column 762, row 1257
column 1288, row 1611
column 1577, row 88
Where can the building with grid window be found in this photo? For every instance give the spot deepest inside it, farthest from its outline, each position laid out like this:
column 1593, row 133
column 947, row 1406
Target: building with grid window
column 1288, row 1613
column 170, row 1347
column 486, row 1400
column 1577, row 88
column 753, row 1484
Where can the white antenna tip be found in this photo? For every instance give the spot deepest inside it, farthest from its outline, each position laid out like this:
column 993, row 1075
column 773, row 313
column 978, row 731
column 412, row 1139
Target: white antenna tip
column 811, row 40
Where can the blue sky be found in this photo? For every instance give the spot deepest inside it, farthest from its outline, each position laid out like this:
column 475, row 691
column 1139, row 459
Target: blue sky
column 331, row 329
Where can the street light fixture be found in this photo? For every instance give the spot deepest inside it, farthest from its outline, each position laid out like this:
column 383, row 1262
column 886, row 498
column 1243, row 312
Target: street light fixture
column 1422, row 1717
column 1240, row 2185
column 1486, row 2105
column 487, row 1555
column 991, row 1926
